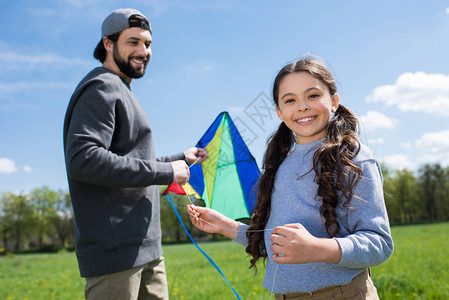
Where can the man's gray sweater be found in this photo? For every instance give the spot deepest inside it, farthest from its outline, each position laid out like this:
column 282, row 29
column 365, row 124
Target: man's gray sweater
column 113, row 176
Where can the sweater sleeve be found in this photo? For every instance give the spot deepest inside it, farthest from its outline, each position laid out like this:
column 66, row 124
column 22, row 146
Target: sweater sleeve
column 90, row 134
column 370, row 241
column 179, row 156
column 241, row 234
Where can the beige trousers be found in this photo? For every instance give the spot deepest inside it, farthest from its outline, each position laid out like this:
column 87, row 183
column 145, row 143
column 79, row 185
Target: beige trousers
column 147, row 282
column 361, row 287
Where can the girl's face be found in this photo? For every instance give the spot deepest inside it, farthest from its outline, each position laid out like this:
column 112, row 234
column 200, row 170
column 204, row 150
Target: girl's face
column 305, row 106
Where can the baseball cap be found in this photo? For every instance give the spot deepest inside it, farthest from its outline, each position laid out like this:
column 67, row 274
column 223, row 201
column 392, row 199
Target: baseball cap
column 117, row 21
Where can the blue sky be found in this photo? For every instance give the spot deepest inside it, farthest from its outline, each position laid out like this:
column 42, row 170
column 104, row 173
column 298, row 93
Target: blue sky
column 389, row 58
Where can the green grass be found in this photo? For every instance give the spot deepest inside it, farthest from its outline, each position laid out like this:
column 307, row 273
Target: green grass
column 40, row 276
column 418, row 269
column 191, row 276
column 419, row 266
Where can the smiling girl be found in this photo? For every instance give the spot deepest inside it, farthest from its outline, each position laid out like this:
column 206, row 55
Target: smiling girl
column 320, row 219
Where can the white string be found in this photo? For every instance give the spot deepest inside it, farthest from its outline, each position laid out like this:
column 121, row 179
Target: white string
column 274, row 280
column 195, row 162
column 226, row 228
column 222, row 227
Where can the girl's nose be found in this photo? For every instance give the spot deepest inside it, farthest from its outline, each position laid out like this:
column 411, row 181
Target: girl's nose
column 303, row 106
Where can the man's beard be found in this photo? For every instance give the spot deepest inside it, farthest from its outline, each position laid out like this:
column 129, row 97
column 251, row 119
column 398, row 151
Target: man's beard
column 126, row 67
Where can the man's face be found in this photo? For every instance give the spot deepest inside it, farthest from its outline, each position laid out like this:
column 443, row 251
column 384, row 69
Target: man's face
column 132, row 52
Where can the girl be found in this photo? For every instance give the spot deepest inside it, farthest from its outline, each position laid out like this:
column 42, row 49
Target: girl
column 320, row 219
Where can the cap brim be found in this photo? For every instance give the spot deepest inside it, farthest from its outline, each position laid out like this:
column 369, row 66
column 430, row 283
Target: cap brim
column 100, row 51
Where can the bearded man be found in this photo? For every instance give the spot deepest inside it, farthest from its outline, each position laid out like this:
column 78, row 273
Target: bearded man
column 113, row 172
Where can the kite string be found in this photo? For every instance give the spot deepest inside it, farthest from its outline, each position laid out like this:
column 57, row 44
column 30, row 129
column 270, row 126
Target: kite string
column 194, row 163
column 261, row 230
column 218, row 226
column 178, row 216
column 222, row 227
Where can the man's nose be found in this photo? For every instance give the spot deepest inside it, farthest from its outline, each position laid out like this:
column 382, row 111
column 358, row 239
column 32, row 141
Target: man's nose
column 143, row 50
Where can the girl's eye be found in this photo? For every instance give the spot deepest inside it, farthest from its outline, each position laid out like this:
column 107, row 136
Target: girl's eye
column 314, row 96
column 289, row 100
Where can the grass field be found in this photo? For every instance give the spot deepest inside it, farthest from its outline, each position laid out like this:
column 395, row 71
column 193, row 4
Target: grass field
column 418, row 269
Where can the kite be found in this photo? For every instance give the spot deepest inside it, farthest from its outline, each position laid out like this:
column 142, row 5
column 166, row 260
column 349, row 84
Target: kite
column 186, row 189
column 226, row 180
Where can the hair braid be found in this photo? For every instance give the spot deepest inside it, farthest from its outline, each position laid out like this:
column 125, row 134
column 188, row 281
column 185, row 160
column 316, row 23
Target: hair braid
column 336, row 174
column 279, row 144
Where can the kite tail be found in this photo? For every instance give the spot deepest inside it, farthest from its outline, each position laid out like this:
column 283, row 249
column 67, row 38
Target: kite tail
column 201, row 250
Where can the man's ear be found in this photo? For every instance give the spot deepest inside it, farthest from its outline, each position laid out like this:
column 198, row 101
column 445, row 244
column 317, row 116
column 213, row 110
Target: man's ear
column 108, row 44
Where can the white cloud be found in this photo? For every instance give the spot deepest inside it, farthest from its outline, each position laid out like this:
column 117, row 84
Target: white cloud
column 406, row 145
column 27, row 169
column 435, row 147
column 10, row 61
column 398, row 161
column 416, row 92
column 447, row 10
column 199, row 67
column 15, row 87
column 236, row 109
column 435, row 142
column 7, row 166
column 431, row 148
column 374, row 120
column 378, row 141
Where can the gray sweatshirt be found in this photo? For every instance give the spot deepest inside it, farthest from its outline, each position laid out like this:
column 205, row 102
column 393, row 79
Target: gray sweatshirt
column 364, row 237
column 113, row 176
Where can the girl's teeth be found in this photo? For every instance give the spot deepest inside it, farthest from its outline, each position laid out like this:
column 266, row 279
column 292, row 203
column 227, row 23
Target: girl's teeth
column 305, row 120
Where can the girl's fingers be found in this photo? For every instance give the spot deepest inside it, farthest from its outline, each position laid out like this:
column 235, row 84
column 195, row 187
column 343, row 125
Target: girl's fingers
column 280, row 259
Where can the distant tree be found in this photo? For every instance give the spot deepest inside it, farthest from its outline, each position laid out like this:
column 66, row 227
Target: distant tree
column 431, row 181
column 17, row 217
column 407, row 193
column 172, row 230
column 5, row 226
column 44, row 201
column 391, row 200
column 63, row 219
column 445, row 193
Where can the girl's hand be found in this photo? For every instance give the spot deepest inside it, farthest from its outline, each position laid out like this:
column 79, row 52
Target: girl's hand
column 211, row 221
column 293, row 244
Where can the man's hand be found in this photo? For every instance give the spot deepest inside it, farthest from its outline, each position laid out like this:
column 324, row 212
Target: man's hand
column 196, row 155
column 181, row 172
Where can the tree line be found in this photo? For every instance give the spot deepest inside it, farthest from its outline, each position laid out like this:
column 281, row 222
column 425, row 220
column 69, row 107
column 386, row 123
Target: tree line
column 42, row 220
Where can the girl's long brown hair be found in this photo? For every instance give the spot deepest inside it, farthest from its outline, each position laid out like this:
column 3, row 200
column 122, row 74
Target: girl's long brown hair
column 335, row 173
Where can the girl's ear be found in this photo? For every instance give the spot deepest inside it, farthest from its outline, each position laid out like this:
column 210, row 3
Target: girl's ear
column 278, row 111
column 335, row 102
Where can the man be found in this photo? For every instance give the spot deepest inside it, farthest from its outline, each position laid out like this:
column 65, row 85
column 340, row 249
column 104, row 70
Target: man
column 112, row 170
